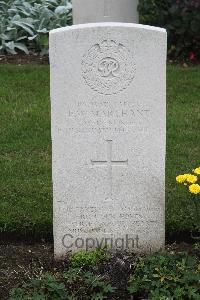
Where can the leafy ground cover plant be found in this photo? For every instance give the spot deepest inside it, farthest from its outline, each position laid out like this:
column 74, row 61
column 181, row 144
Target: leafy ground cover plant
column 160, row 276
column 89, row 258
column 24, row 25
column 166, row 276
column 74, row 284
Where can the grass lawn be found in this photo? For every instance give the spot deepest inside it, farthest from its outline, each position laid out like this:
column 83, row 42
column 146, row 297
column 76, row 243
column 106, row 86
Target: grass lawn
column 25, row 149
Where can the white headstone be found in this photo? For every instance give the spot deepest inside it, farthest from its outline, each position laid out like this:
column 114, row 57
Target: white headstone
column 91, row 11
column 108, row 134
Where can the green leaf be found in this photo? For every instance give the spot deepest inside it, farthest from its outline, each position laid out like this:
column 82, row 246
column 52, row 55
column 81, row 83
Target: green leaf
column 30, row 38
column 62, row 10
column 22, row 47
column 24, row 26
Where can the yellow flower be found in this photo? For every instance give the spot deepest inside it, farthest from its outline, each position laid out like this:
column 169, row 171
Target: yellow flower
column 181, row 178
column 194, row 189
column 197, row 171
column 191, row 178
column 186, row 178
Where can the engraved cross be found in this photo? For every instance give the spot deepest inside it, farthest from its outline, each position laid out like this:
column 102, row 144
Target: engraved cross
column 109, row 163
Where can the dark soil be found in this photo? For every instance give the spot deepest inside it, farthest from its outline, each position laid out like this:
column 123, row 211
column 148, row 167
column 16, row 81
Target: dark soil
column 20, row 262
column 21, row 59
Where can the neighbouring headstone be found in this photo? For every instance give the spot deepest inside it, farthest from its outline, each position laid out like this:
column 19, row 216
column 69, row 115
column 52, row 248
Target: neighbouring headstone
column 89, row 11
column 108, row 84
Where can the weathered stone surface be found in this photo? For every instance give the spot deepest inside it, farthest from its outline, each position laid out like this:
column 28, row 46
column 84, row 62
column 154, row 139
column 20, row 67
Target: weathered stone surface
column 91, row 11
column 108, row 135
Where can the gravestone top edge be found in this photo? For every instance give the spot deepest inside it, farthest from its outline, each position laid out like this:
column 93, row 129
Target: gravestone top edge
column 108, row 24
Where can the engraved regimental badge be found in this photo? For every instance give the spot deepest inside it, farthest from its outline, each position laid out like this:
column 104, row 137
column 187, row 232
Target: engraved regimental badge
column 108, row 67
